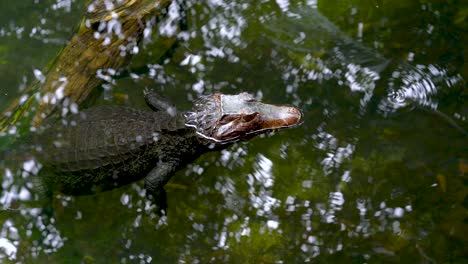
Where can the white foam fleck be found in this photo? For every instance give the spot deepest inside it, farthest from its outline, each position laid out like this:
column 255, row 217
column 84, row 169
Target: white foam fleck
column 124, row 199
column 29, row 165
column 398, row 212
column 272, row 224
column 24, row 194
column 9, row 248
column 39, row 75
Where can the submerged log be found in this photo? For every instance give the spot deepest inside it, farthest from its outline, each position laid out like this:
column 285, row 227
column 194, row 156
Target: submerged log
column 105, row 41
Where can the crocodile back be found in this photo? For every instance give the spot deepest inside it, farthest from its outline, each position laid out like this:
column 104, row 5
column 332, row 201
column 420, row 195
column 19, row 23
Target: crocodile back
column 103, row 136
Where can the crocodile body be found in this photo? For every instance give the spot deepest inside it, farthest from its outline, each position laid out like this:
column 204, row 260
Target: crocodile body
column 106, row 147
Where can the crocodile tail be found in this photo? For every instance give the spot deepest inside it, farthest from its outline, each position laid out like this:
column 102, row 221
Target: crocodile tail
column 16, row 154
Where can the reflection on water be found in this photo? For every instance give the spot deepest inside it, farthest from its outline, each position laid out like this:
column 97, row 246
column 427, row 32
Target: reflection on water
column 416, row 85
column 376, row 172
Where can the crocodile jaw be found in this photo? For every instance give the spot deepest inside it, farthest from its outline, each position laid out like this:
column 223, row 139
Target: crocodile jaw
column 227, row 118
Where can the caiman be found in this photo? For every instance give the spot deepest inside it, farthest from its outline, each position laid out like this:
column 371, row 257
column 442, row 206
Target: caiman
column 105, row 147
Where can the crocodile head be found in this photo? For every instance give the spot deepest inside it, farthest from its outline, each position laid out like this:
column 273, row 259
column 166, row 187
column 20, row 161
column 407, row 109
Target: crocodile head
column 226, row 118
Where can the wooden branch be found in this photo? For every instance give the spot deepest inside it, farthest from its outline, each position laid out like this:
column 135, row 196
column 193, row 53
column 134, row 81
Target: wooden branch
column 105, row 41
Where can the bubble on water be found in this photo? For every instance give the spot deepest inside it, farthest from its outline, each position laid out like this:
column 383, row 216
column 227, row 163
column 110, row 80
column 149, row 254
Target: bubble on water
column 124, row 199
column 9, row 248
column 199, row 86
column 398, row 212
column 307, row 184
column 39, row 75
column 24, row 194
column 337, row 199
column 29, row 165
column 272, row 224
column 408, row 208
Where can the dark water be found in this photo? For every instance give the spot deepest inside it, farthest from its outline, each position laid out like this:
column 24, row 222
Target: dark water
column 376, row 173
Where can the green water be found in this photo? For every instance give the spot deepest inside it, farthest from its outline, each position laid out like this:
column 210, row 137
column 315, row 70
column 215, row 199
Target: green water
column 376, row 173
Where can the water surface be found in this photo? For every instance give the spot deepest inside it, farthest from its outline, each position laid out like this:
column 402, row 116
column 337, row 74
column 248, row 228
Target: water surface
column 375, row 173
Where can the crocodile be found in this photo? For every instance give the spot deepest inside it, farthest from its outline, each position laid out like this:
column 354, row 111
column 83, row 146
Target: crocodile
column 106, row 147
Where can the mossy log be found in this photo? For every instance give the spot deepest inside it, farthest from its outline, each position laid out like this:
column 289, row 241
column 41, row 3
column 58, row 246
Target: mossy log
column 106, row 39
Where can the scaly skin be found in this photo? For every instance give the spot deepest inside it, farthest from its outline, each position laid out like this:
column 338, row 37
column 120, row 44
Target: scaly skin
column 105, row 147
column 113, row 146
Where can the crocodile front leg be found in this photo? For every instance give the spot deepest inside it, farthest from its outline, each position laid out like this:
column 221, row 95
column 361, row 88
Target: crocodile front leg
column 157, row 102
column 155, row 181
